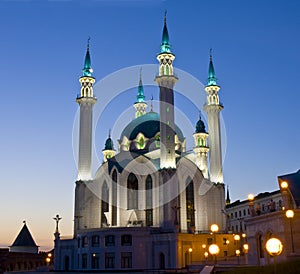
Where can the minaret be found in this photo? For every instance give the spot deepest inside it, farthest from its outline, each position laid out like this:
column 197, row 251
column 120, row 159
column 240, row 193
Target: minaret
column 140, row 105
column 213, row 108
column 166, row 81
column 86, row 101
column 201, row 147
column 108, row 151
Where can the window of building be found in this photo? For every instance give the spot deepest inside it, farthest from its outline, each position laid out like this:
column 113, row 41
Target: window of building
column 95, row 260
column 209, row 241
column 84, row 241
column 104, row 204
column 132, row 192
column 126, row 260
column 109, row 240
column 235, row 214
column 190, row 206
column 244, row 211
column 95, row 240
column 126, row 239
column 248, row 211
column 109, row 260
column 84, row 260
column 149, row 215
column 114, row 198
column 231, row 215
column 240, row 213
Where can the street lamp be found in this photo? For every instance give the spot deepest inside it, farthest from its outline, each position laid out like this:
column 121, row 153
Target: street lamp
column 274, row 248
column 238, row 253
column 246, row 249
column 251, row 204
column 226, row 244
column 290, row 215
column 214, row 229
column 214, row 251
column 190, row 255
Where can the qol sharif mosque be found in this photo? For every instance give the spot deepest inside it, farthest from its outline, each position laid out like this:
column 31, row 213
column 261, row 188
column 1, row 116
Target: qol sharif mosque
column 150, row 200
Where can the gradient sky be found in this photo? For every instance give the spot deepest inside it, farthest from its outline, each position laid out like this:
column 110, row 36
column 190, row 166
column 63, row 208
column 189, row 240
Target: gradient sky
column 256, row 56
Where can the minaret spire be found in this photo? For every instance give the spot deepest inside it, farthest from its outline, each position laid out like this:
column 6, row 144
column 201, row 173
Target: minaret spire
column 140, row 105
column 108, row 151
column 87, row 69
column 213, row 108
column 212, row 80
column 165, row 44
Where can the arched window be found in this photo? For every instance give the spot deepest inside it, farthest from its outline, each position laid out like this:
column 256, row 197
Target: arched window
column 149, row 210
column 190, row 206
column 114, row 198
column 132, row 192
column 260, row 246
column 104, row 203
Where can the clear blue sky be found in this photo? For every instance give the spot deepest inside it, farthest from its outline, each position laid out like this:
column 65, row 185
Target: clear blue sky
column 256, row 56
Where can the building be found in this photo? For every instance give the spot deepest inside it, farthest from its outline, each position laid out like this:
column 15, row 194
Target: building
column 148, row 198
column 238, row 211
column 23, row 254
column 263, row 222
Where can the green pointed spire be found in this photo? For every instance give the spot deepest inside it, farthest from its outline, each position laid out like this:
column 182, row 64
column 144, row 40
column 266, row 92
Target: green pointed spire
column 165, row 44
column 200, row 126
column 87, row 70
column 109, row 145
column 212, row 80
column 140, row 96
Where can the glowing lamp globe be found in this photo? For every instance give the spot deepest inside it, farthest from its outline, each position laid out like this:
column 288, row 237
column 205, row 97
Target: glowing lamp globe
column 284, row 185
column 250, row 197
column 236, row 237
column 214, row 249
column 274, row 246
column 289, row 213
column 214, row 228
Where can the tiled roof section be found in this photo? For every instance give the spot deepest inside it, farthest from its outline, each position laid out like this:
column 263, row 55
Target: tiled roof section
column 293, row 181
column 24, row 238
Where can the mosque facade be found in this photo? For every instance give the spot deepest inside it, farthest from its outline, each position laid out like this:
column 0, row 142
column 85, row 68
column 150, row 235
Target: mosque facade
column 150, row 198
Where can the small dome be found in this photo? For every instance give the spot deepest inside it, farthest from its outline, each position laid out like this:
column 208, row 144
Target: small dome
column 109, row 145
column 147, row 124
column 200, row 127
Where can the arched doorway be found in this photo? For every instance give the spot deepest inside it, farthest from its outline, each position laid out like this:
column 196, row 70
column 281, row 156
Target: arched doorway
column 66, row 263
column 162, row 263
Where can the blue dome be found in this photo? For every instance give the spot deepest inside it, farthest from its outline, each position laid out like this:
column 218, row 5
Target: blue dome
column 149, row 125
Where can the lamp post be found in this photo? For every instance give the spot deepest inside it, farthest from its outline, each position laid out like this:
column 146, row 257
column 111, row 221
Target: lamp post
column 214, row 251
column 237, row 239
column 214, row 229
column 238, row 253
column 251, row 204
column 226, row 243
column 290, row 215
column 274, row 248
column 246, row 249
column 190, row 255
column 204, row 251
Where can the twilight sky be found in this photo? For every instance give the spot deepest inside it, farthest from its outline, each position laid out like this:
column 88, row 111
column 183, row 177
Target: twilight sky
column 256, row 56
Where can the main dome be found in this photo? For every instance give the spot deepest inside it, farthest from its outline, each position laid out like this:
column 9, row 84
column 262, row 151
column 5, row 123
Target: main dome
column 147, row 124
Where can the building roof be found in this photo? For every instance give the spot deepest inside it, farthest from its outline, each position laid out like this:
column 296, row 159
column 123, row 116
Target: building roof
column 24, row 238
column 293, row 181
column 148, row 125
